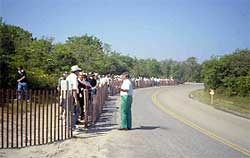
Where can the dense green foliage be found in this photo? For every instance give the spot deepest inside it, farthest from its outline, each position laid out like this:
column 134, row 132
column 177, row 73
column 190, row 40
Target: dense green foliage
column 44, row 61
column 229, row 74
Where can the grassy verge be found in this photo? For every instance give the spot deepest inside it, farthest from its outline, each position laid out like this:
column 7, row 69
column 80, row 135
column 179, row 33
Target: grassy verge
column 235, row 104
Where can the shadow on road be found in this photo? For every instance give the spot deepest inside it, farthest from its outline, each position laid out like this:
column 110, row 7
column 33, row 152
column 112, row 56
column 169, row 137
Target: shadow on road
column 104, row 124
column 107, row 122
column 146, row 128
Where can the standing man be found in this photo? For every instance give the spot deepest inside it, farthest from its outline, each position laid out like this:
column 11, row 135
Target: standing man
column 83, row 84
column 61, row 87
column 22, row 82
column 126, row 92
column 73, row 88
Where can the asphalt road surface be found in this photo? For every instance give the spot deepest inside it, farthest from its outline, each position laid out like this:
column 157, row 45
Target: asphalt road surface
column 180, row 127
column 166, row 124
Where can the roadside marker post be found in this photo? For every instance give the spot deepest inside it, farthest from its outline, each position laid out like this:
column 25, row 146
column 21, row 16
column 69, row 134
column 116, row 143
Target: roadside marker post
column 211, row 92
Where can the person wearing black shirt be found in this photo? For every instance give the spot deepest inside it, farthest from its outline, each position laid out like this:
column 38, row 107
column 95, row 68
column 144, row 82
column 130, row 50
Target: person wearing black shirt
column 92, row 80
column 81, row 86
column 22, row 82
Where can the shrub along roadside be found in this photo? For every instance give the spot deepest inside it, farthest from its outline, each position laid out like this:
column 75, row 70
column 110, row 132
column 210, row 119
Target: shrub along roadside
column 235, row 104
column 228, row 74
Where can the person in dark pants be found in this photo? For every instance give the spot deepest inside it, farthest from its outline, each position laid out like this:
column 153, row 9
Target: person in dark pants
column 73, row 88
column 126, row 92
column 22, row 84
column 91, row 91
column 81, row 87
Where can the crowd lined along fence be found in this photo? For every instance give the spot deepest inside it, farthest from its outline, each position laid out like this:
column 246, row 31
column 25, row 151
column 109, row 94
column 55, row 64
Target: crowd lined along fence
column 44, row 116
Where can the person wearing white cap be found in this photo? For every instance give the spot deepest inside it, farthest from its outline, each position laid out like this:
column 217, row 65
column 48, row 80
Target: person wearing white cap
column 73, row 87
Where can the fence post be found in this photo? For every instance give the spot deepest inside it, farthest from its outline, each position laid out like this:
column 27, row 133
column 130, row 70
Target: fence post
column 47, row 115
column 86, row 107
column 31, row 100
column 26, row 118
column 12, row 118
column 67, row 108
column 51, row 112
column 35, row 94
column 7, row 131
column 43, row 103
column 39, row 115
column 65, row 92
column 70, row 120
column 58, row 113
column 94, row 112
column 55, row 102
column 2, row 108
column 21, row 119
column 43, row 118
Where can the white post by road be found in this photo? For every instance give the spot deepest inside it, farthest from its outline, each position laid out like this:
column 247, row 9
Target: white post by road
column 211, row 92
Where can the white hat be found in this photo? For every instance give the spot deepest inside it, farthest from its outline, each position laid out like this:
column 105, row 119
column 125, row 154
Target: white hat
column 75, row 68
column 82, row 74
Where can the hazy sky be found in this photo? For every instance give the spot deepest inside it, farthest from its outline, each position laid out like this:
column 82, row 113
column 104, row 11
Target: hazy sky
column 158, row 29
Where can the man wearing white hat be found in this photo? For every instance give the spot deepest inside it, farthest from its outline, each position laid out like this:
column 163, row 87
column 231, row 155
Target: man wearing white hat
column 73, row 87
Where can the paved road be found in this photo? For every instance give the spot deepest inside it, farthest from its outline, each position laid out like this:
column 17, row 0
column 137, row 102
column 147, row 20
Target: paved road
column 158, row 134
column 166, row 124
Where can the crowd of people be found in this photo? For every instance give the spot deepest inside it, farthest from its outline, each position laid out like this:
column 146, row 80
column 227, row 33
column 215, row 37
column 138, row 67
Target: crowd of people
column 76, row 81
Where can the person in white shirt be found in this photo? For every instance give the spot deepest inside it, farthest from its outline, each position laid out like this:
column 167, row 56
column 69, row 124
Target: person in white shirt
column 73, row 88
column 126, row 92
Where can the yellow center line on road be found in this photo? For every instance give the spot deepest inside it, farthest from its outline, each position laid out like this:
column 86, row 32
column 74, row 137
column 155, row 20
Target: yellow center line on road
column 195, row 126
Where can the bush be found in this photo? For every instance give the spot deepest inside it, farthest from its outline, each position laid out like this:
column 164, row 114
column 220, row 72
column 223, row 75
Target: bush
column 228, row 74
column 39, row 80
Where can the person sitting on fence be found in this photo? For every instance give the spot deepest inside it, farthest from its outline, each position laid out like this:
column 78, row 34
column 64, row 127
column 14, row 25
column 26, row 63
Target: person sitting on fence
column 73, row 88
column 22, row 82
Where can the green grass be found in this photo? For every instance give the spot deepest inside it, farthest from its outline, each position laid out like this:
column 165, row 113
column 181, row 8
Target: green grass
column 234, row 104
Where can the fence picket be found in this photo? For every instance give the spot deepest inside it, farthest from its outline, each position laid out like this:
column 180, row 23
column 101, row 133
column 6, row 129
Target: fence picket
column 2, row 126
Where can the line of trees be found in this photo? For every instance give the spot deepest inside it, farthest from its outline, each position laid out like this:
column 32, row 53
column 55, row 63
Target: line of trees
column 45, row 61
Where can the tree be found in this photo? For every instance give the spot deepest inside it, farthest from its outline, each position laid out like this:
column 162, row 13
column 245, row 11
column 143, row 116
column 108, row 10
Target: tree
column 229, row 74
column 13, row 39
column 191, row 70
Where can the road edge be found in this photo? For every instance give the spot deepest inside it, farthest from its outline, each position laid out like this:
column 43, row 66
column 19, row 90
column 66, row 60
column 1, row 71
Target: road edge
column 197, row 127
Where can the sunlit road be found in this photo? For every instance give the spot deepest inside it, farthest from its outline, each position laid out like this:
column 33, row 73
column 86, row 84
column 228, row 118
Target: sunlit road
column 166, row 124
column 159, row 134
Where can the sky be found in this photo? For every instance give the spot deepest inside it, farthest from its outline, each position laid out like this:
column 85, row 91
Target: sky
column 160, row 29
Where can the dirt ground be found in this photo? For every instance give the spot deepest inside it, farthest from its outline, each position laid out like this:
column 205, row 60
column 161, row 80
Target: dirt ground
column 85, row 143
